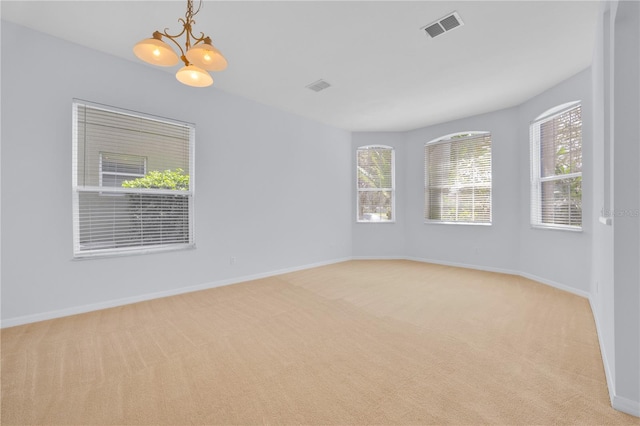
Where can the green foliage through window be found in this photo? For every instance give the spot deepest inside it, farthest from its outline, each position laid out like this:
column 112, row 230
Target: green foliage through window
column 168, row 179
column 557, row 169
column 375, row 184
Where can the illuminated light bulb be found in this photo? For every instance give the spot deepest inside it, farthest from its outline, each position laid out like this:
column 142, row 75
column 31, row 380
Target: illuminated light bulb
column 155, row 51
column 194, row 76
column 206, row 56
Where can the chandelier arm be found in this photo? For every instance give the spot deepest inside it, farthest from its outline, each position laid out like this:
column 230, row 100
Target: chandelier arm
column 173, row 39
column 184, row 29
column 200, row 39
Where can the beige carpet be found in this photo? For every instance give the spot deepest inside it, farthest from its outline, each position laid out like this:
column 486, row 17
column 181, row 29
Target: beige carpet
column 360, row 342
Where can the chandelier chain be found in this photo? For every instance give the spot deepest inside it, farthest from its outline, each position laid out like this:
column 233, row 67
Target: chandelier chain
column 187, row 30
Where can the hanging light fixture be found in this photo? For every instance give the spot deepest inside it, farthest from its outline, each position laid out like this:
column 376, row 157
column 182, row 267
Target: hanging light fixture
column 198, row 53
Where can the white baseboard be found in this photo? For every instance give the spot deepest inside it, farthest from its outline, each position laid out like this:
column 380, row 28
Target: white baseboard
column 626, row 405
column 27, row 319
column 378, row 258
column 557, row 285
column 617, row 402
column 603, row 351
column 462, row 265
column 551, row 283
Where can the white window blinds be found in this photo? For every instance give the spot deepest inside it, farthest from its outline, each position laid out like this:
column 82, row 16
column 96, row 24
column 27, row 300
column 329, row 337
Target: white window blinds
column 375, row 165
column 132, row 181
column 458, row 179
column 556, row 168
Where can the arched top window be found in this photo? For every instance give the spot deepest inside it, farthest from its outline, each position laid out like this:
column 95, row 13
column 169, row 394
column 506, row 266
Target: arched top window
column 457, row 177
column 558, row 109
column 556, row 168
column 375, row 183
column 458, row 136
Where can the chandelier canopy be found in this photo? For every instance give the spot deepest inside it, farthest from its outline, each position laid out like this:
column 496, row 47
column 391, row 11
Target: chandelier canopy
column 198, row 53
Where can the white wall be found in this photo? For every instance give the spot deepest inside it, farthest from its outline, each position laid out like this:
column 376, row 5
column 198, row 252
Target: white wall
column 559, row 258
column 616, row 247
column 626, row 200
column 271, row 187
column 556, row 256
column 487, row 247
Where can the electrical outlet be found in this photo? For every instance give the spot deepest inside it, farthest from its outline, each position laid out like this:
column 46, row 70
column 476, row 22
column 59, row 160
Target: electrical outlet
column 232, row 260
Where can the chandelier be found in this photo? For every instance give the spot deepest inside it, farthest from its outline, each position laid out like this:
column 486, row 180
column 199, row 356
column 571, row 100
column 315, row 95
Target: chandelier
column 198, row 53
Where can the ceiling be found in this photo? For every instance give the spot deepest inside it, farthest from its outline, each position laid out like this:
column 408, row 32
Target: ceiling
column 385, row 73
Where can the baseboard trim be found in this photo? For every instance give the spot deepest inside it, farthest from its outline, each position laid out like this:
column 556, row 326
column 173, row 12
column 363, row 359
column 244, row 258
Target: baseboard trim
column 603, row 352
column 617, row 402
column 550, row 283
column 557, row 285
column 626, row 405
column 379, row 258
column 27, row 319
column 462, row 265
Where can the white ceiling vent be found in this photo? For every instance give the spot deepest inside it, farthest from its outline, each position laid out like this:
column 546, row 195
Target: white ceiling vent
column 443, row 25
column 319, row 85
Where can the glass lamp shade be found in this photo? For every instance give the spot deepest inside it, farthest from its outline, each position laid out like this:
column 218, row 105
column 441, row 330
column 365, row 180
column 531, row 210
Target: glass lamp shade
column 155, row 52
column 206, row 56
column 194, row 76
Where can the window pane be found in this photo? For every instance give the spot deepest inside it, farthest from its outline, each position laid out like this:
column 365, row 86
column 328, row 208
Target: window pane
column 374, row 168
column 131, row 181
column 117, row 163
column 113, row 181
column 458, row 179
column 375, row 184
column 132, row 220
column 562, row 202
column 375, row 206
column 561, row 144
column 122, row 138
column 556, row 152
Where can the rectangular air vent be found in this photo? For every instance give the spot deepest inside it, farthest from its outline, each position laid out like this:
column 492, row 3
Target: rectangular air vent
column 442, row 25
column 319, row 85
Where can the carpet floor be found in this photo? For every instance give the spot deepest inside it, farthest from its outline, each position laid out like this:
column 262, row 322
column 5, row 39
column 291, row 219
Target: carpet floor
column 359, row 342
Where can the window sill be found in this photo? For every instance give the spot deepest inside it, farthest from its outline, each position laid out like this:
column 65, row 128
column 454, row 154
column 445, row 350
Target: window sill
column 557, row 228
column 437, row 222
column 110, row 253
column 375, row 222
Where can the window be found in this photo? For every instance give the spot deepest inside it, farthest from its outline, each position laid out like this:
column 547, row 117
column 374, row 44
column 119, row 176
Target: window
column 133, row 183
column 556, row 168
column 376, row 191
column 116, row 168
column 457, row 179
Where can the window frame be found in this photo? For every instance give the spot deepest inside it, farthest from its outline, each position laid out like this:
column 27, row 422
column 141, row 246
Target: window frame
column 450, row 139
column 78, row 252
column 392, row 189
column 535, row 161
